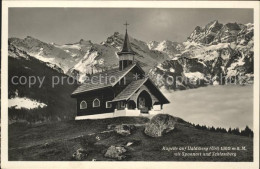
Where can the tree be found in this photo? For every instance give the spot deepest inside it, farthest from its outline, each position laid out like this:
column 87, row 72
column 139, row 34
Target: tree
column 247, row 132
column 235, row 131
column 230, row 130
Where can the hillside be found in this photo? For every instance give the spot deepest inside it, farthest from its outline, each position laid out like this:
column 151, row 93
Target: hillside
column 92, row 138
column 57, row 101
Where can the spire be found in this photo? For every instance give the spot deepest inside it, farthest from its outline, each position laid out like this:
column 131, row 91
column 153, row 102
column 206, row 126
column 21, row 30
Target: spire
column 126, row 46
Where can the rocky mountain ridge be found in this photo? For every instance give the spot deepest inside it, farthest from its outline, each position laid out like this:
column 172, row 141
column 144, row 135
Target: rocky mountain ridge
column 214, row 54
column 209, row 51
column 85, row 57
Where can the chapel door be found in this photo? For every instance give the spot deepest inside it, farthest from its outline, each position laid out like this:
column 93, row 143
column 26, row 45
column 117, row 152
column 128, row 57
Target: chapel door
column 144, row 102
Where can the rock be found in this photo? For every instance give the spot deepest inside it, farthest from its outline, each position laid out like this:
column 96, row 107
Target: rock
column 111, row 126
column 122, row 129
column 115, row 152
column 159, row 125
column 80, row 154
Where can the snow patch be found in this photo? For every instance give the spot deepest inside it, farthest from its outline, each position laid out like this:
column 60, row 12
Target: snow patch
column 172, row 70
column 73, row 55
column 202, row 63
column 215, row 83
column 161, row 68
column 24, row 102
column 161, row 46
column 152, row 44
column 194, row 75
column 250, row 26
column 216, row 47
column 40, row 56
column 231, row 71
column 175, row 58
column 86, row 65
column 188, row 44
column 72, row 46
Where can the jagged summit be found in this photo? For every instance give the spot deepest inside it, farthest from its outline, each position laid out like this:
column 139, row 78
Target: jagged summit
column 29, row 37
column 215, row 32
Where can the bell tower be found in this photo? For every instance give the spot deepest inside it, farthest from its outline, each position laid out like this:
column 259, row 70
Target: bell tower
column 126, row 55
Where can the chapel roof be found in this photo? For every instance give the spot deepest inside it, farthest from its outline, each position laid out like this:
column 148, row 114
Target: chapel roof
column 104, row 79
column 134, row 86
column 129, row 90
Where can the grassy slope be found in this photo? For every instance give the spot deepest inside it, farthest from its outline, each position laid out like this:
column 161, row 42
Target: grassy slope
column 58, row 141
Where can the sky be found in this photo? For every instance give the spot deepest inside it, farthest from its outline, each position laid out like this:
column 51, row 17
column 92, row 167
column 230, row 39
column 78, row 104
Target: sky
column 69, row 25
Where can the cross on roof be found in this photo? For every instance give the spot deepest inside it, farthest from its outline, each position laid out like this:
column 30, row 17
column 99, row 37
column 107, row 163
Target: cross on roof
column 126, row 24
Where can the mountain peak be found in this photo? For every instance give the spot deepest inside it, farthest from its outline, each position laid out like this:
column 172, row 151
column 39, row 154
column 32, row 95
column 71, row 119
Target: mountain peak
column 81, row 40
column 213, row 26
column 198, row 28
column 116, row 34
column 215, row 21
column 85, row 42
column 233, row 26
column 54, row 44
column 215, row 32
column 212, row 23
column 30, row 37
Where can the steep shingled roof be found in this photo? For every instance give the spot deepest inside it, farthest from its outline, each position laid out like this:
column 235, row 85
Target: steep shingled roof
column 130, row 89
column 104, row 79
column 134, row 86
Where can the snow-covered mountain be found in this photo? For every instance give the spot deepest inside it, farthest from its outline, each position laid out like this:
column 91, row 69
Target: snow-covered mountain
column 101, row 57
column 45, row 52
column 215, row 32
column 209, row 51
column 212, row 54
column 172, row 49
column 85, row 57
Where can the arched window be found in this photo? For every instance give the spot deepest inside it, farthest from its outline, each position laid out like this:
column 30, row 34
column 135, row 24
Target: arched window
column 96, row 103
column 83, row 104
column 108, row 105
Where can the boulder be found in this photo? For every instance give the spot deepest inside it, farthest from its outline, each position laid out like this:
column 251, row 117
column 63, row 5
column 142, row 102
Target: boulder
column 80, row 154
column 115, row 152
column 159, row 125
column 122, row 129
